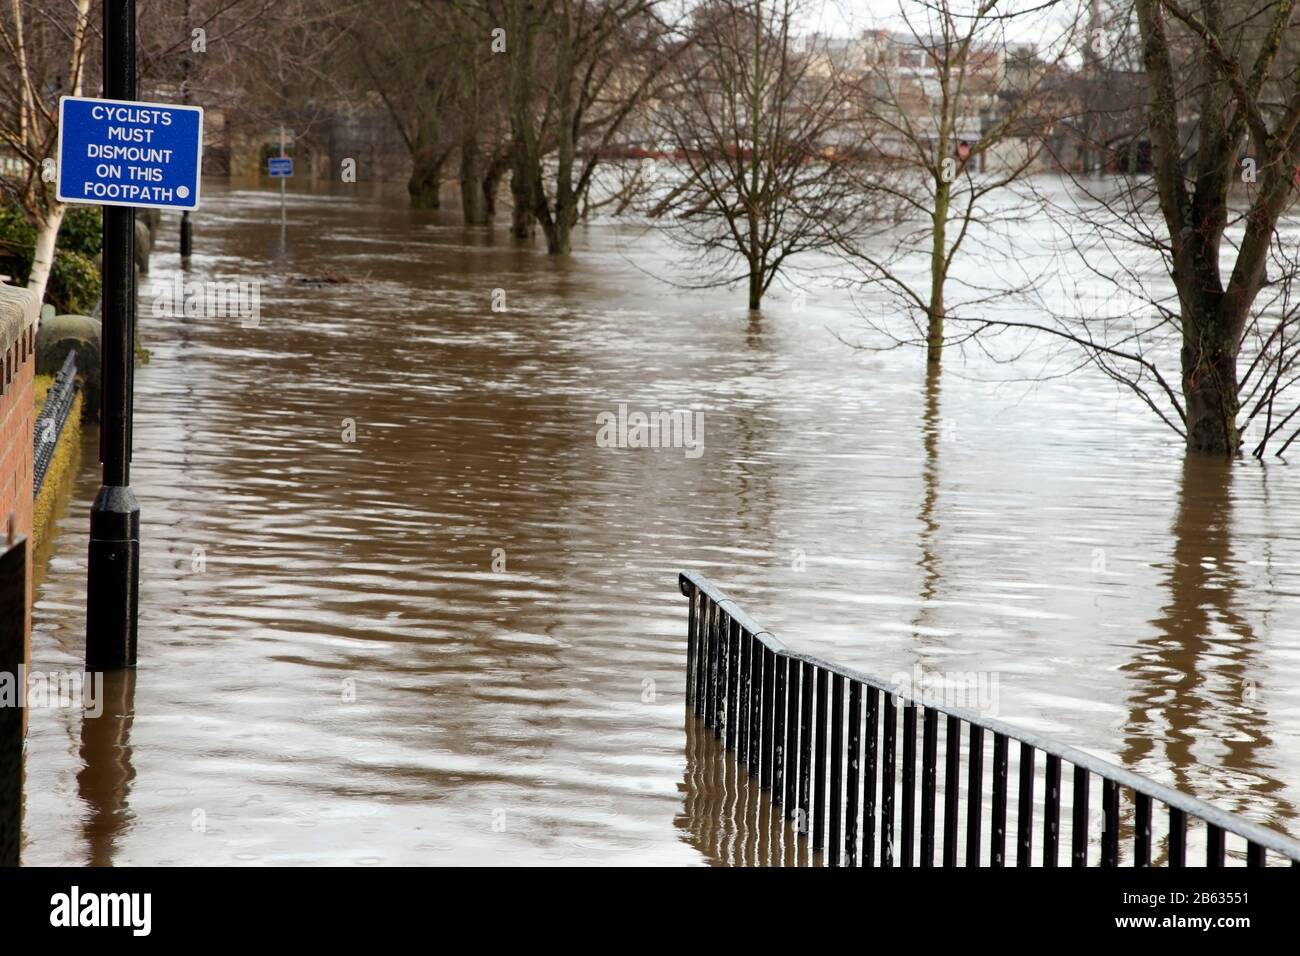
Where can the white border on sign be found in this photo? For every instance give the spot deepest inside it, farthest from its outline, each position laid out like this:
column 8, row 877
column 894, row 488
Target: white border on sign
column 198, row 158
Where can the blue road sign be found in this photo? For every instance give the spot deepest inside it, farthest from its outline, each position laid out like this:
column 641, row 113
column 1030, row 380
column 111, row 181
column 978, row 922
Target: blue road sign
column 280, row 167
column 120, row 153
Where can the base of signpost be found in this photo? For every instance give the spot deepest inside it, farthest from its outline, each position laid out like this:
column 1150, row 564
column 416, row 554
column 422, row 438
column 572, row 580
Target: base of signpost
column 113, row 596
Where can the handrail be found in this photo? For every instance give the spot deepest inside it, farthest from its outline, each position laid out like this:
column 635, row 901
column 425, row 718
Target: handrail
column 50, row 422
column 727, row 683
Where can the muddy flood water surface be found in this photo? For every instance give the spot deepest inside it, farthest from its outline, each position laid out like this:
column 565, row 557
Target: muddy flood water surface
column 400, row 606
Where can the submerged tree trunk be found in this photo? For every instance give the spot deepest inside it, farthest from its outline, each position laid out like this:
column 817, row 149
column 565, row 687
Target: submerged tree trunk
column 1214, row 314
column 755, row 260
column 472, row 200
column 491, row 184
column 757, row 266
column 426, row 178
column 1210, row 390
column 755, row 289
column 1211, row 337
column 525, row 159
column 559, row 229
column 557, row 243
column 522, row 224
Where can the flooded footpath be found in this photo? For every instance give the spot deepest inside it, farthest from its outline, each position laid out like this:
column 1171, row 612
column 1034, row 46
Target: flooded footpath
column 402, row 603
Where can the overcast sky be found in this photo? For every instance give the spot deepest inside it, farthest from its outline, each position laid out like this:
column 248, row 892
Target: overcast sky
column 846, row 17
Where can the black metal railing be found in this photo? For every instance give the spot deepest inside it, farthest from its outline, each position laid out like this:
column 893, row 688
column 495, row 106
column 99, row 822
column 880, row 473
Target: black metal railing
column 49, row 423
column 836, row 751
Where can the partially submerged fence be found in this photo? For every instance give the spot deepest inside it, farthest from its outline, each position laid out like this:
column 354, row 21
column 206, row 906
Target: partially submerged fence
column 54, row 413
column 836, row 750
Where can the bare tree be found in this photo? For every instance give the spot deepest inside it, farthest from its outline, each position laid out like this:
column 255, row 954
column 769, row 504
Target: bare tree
column 578, row 71
column 1223, row 119
column 953, row 101
column 44, row 51
column 476, row 106
column 769, row 161
column 410, row 68
column 289, row 70
column 1241, row 100
column 199, row 42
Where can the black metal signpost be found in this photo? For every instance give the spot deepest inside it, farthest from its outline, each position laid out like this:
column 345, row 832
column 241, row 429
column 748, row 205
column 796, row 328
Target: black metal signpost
column 187, row 228
column 113, row 584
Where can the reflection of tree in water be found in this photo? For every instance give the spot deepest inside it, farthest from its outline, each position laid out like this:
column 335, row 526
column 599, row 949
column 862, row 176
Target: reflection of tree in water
column 725, row 815
column 929, row 562
column 104, row 781
column 753, row 469
column 1193, row 674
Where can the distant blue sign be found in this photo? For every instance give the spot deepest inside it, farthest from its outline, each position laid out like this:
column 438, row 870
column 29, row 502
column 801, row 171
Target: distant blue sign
column 121, row 153
column 280, row 167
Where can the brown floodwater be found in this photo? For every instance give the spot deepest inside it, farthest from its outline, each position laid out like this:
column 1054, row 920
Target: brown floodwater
column 399, row 607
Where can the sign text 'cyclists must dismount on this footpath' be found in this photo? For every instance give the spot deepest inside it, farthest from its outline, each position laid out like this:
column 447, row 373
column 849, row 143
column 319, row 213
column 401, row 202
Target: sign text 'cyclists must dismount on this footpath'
column 120, row 153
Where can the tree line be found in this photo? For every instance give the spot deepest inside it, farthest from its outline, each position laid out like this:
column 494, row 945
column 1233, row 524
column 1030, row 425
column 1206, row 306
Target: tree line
column 755, row 142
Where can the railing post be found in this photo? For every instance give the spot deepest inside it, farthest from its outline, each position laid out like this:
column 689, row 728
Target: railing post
column 720, row 625
column 1079, row 836
column 907, row 850
column 837, row 766
column 1052, row 811
column 819, row 765
column 951, row 790
column 1177, row 838
column 791, row 801
column 998, row 832
column 889, row 744
column 869, row 780
column 854, row 772
column 929, row 758
column 974, row 794
column 745, row 672
column 1025, row 808
column 693, row 652
column 805, row 746
column 768, row 719
column 1142, row 830
column 1110, row 834
column 1213, row 846
column 755, row 705
column 778, row 731
column 733, row 678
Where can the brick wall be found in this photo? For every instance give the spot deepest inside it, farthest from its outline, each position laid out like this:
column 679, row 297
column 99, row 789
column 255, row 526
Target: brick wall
column 18, row 313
